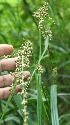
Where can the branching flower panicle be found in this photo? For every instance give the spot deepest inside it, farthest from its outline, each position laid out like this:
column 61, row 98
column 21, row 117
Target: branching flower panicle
column 41, row 14
column 23, row 62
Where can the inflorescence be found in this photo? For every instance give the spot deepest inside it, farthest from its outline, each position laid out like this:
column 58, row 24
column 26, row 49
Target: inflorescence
column 39, row 68
column 23, row 62
column 41, row 14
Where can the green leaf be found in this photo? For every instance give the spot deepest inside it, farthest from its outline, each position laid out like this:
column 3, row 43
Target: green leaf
column 17, row 99
column 9, row 118
column 53, row 104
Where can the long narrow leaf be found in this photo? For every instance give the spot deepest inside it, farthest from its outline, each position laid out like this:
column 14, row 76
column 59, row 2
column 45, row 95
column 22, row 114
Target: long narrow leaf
column 53, row 102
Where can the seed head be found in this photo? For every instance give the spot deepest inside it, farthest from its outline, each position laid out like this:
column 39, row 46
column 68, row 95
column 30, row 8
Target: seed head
column 39, row 68
column 41, row 14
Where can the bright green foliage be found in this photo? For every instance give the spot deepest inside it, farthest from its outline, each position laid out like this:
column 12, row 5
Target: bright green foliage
column 53, row 103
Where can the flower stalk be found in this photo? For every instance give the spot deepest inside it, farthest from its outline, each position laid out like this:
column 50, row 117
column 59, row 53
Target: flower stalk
column 22, row 63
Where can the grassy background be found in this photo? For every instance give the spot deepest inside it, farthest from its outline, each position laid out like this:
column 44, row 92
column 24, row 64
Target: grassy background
column 16, row 22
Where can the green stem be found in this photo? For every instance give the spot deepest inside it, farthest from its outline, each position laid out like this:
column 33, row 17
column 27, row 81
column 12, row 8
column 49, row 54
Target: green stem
column 42, row 55
column 40, row 43
column 39, row 99
column 9, row 99
column 39, row 88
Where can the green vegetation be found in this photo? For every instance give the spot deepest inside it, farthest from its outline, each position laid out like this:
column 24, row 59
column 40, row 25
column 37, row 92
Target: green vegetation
column 48, row 101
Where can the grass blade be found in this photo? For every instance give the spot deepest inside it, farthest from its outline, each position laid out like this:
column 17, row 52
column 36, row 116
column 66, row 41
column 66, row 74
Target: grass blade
column 53, row 102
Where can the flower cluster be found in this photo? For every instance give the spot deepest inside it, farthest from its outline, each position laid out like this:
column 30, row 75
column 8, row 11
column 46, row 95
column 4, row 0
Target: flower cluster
column 41, row 14
column 23, row 62
column 54, row 73
column 39, row 68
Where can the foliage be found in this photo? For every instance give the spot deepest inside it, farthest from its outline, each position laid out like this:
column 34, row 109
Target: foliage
column 45, row 90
